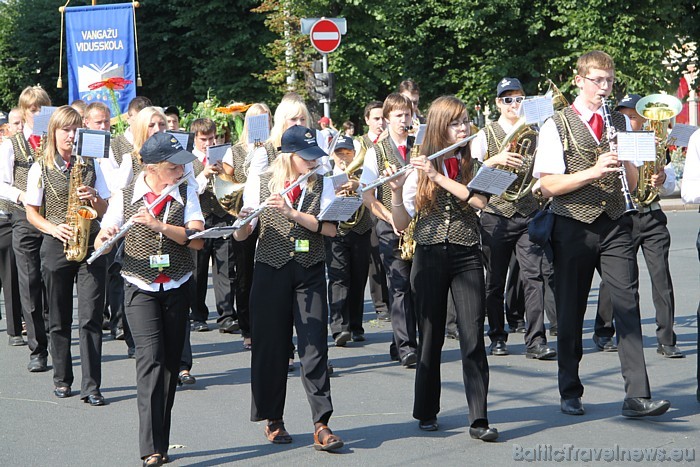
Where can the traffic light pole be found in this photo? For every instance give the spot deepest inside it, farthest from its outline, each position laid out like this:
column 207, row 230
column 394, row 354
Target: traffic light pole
column 326, row 105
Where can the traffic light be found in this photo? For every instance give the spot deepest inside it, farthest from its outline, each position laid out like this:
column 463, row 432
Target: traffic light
column 325, row 87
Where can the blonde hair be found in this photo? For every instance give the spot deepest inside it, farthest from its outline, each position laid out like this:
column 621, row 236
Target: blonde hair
column 140, row 126
column 287, row 109
column 282, row 171
column 594, row 59
column 441, row 113
column 32, row 95
column 63, row 117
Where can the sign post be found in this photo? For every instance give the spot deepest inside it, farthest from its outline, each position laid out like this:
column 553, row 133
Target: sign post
column 325, row 37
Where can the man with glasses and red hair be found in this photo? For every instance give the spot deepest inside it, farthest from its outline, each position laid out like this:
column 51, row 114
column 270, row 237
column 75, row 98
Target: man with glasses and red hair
column 504, row 231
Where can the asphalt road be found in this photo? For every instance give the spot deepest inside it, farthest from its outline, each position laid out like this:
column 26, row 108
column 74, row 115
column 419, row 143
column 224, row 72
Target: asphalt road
column 373, row 399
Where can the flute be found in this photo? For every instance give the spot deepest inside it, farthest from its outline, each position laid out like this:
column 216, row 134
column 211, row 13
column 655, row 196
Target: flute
column 402, row 170
column 130, row 223
column 241, row 222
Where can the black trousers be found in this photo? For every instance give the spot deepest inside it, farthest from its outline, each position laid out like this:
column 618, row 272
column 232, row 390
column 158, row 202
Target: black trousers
column 437, row 271
column 398, row 273
column 378, row 289
column 59, row 276
column 219, row 253
column 347, row 263
column 649, row 232
column 9, row 281
column 501, row 236
column 281, row 298
column 244, row 255
column 578, row 249
column 515, row 295
column 158, row 321
column 26, row 241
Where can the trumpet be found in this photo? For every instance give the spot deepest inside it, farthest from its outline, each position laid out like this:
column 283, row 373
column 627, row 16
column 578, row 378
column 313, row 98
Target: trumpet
column 612, row 135
column 407, row 167
column 130, row 223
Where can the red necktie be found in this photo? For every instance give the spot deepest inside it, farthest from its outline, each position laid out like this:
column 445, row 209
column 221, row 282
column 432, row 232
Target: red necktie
column 161, row 279
column 294, row 194
column 150, row 197
column 402, row 150
column 375, row 140
column 34, row 141
column 595, row 122
column 452, row 166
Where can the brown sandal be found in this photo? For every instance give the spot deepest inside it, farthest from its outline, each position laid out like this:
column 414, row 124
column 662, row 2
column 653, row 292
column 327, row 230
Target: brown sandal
column 330, row 443
column 276, row 434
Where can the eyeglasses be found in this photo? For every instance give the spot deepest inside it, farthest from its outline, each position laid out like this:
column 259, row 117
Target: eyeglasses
column 601, row 81
column 510, row 100
column 456, row 124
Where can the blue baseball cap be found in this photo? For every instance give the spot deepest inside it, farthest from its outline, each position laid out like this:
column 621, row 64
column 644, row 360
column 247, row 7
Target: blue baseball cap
column 302, row 142
column 164, row 147
column 508, row 84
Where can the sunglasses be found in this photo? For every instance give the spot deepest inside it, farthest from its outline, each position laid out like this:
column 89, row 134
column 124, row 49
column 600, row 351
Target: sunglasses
column 510, row 100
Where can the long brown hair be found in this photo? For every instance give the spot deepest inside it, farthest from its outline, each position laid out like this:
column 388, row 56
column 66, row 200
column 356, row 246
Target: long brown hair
column 441, row 113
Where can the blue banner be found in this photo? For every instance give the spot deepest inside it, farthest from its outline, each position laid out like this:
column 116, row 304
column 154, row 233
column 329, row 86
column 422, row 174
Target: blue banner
column 100, row 47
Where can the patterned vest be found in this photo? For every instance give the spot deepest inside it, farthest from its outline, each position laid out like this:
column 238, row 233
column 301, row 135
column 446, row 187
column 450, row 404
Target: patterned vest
column 276, row 243
column 271, row 152
column 56, row 188
column 24, row 158
column 121, row 147
column 497, row 205
column 362, row 225
column 581, row 152
column 387, row 155
column 239, row 152
column 207, row 200
column 5, row 206
column 141, row 242
column 450, row 220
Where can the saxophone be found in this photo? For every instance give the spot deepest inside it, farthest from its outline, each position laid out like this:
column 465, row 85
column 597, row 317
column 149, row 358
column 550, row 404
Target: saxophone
column 77, row 217
column 407, row 245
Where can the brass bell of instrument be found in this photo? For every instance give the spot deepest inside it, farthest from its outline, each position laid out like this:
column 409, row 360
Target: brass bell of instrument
column 228, row 193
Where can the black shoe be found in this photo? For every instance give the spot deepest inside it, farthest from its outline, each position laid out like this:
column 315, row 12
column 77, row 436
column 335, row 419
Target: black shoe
column 640, row 407
column 428, row 425
column 572, row 406
column 155, row 460
column 106, row 325
column 552, row 331
column 94, row 400
column 541, row 352
column 669, row 351
column 37, row 364
column 329, row 368
column 131, row 352
column 62, row 392
column 16, row 341
column 409, row 360
column 186, row 378
column 358, row 336
column 229, row 325
column 200, row 326
column 341, row 338
column 519, row 328
column 291, row 367
column 453, row 334
column 119, row 334
column 483, row 433
column 384, row 316
column 604, row 344
column 499, row 348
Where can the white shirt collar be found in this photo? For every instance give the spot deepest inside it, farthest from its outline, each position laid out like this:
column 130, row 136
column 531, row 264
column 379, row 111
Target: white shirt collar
column 200, row 155
column 585, row 112
column 141, row 188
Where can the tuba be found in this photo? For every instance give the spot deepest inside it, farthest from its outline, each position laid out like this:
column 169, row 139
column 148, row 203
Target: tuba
column 522, row 139
column 78, row 217
column 659, row 110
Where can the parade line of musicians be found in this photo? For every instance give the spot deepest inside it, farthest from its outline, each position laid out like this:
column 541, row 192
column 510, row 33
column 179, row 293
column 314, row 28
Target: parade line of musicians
column 471, row 251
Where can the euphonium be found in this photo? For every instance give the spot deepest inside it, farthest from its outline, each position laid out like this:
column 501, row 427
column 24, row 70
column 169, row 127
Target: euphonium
column 77, row 217
column 659, row 110
column 229, row 193
column 354, row 166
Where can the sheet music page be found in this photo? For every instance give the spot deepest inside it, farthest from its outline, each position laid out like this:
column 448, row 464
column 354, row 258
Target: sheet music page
column 185, row 139
column 339, row 180
column 636, row 146
column 216, row 153
column 214, row 232
column 537, row 109
column 41, row 124
column 258, row 128
column 341, row 209
column 420, row 134
column 492, row 180
column 93, row 143
column 680, row 135
column 47, row 110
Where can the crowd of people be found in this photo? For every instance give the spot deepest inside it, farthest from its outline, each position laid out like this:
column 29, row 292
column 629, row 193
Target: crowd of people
column 441, row 258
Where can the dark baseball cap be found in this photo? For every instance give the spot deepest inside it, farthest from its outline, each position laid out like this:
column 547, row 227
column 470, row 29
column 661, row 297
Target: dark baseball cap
column 508, row 84
column 629, row 101
column 302, row 142
column 344, row 142
column 164, row 147
column 171, row 109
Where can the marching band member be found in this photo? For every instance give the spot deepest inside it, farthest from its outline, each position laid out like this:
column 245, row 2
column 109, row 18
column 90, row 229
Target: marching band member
column 447, row 259
column 393, row 150
column 49, row 184
column 504, row 231
column 237, row 164
column 578, row 169
column 123, row 146
column 17, row 154
column 290, row 258
column 157, row 265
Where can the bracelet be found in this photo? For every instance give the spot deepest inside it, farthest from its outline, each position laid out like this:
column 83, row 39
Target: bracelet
column 320, row 225
column 397, row 205
column 188, row 232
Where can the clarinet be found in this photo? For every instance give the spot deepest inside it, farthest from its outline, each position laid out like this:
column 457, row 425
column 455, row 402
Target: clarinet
column 612, row 135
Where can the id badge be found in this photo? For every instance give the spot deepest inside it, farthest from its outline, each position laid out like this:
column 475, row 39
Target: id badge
column 301, row 246
column 160, row 261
